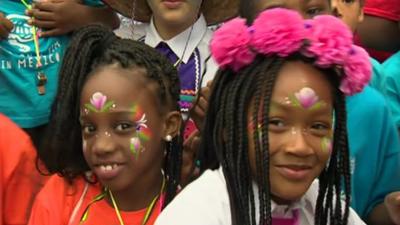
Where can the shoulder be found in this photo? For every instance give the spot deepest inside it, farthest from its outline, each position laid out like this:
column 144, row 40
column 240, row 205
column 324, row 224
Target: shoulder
column 16, row 148
column 354, row 219
column 392, row 65
column 367, row 100
column 56, row 200
column 205, row 201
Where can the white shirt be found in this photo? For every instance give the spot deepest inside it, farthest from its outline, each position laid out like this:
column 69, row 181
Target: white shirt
column 206, row 202
column 197, row 37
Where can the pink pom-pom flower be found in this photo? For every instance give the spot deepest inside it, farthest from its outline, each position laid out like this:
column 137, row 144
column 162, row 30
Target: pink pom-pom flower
column 230, row 45
column 330, row 40
column 278, row 31
column 358, row 71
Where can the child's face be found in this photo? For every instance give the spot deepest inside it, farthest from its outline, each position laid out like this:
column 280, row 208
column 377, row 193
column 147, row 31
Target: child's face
column 175, row 12
column 123, row 127
column 350, row 11
column 307, row 8
column 300, row 131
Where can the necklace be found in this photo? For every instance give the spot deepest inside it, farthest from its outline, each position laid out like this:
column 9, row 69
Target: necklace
column 41, row 77
column 107, row 191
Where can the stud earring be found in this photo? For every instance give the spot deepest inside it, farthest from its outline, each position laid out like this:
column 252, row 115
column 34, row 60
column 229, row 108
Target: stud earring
column 168, row 138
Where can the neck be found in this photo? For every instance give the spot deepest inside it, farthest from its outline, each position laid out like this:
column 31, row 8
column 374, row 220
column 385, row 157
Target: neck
column 167, row 30
column 137, row 198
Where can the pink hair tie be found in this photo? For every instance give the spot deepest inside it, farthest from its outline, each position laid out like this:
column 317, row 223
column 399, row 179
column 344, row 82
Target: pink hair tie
column 283, row 32
column 278, row 32
column 357, row 69
column 330, row 40
column 230, row 45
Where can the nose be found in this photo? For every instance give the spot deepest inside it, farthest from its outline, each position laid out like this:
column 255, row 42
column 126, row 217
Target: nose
column 297, row 143
column 103, row 143
column 335, row 8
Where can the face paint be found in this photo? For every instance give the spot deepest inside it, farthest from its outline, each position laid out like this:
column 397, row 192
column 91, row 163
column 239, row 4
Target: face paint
column 326, row 144
column 107, row 134
column 135, row 146
column 143, row 133
column 142, row 129
column 99, row 103
column 306, row 98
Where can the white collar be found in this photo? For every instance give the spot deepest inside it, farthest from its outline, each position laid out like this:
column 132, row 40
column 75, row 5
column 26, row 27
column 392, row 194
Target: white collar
column 177, row 43
column 305, row 204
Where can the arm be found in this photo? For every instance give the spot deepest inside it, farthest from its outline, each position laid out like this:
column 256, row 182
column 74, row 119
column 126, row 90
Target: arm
column 384, row 196
column 5, row 27
column 59, row 17
column 379, row 216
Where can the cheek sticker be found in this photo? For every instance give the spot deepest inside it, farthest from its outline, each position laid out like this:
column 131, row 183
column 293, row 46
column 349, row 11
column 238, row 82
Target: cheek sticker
column 135, row 146
column 98, row 103
column 143, row 133
column 305, row 98
column 326, row 144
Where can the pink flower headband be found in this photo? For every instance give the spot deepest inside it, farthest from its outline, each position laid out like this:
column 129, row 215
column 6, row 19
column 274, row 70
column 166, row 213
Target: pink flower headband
column 283, row 32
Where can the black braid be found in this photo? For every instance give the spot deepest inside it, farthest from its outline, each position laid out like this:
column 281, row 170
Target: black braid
column 82, row 58
column 225, row 143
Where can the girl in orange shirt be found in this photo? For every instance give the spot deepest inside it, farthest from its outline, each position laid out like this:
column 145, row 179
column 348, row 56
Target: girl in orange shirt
column 114, row 134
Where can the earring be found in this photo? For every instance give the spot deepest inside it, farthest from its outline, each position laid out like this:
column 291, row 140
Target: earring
column 168, row 138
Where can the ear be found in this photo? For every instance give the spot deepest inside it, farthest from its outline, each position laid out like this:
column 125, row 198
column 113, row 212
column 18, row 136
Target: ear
column 172, row 124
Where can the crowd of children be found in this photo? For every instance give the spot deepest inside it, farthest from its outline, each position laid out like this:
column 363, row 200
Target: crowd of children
column 278, row 117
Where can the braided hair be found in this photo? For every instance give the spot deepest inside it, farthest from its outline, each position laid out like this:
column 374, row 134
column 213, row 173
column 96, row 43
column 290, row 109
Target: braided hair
column 225, row 143
column 92, row 47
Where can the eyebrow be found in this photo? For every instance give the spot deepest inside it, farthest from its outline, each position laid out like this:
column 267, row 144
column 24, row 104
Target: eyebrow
column 290, row 107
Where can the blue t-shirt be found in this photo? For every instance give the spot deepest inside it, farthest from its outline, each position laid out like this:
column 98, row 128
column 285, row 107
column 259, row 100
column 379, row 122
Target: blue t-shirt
column 378, row 77
column 374, row 150
column 391, row 68
column 19, row 97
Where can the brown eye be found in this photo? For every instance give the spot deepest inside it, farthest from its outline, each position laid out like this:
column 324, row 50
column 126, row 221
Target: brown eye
column 124, row 127
column 88, row 129
column 320, row 129
column 314, row 11
column 348, row 1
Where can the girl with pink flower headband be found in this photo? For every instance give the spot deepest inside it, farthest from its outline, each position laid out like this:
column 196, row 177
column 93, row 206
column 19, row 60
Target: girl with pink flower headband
column 272, row 152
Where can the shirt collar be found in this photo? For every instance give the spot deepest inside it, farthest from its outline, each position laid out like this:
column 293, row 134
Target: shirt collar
column 177, row 44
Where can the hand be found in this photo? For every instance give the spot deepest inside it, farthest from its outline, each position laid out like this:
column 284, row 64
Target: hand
column 6, row 26
column 392, row 203
column 199, row 111
column 57, row 17
column 190, row 148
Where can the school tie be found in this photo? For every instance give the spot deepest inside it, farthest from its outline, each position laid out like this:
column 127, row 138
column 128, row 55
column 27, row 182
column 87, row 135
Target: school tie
column 287, row 221
column 189, row 75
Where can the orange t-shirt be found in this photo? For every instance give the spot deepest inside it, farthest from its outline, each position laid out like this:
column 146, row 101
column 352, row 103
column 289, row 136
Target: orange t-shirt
column 20, row 180
column 61, row 203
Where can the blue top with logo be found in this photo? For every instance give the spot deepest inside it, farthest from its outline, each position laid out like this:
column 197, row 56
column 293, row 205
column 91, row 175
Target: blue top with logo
column 374, row 150
column 19, row 96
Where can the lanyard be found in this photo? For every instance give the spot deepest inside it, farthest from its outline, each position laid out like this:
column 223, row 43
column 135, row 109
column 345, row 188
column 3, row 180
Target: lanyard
column 41, row 77
column 107, row 191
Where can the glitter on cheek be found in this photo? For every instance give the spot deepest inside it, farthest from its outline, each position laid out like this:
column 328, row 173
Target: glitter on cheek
column 84, row 145
column 326, row 144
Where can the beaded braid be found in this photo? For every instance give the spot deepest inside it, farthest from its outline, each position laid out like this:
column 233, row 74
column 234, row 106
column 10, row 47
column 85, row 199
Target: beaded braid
column 225, row 143
column 87, row 53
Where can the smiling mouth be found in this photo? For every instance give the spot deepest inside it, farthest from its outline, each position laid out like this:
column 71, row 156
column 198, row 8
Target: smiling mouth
column 107, row 171
column 294, row 172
